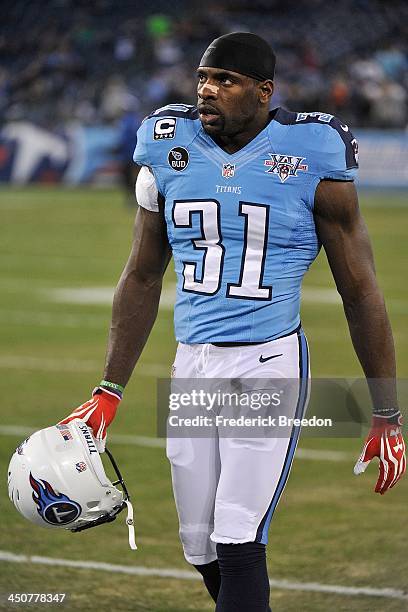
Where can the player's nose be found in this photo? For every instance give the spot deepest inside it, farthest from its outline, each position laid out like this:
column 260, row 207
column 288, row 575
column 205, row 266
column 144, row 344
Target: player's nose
column 208, row 91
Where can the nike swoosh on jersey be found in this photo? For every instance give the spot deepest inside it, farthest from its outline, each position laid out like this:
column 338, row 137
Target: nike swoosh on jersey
column 263, row 359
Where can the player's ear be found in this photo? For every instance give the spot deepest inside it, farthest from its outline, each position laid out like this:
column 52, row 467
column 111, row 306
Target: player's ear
column 265, row 89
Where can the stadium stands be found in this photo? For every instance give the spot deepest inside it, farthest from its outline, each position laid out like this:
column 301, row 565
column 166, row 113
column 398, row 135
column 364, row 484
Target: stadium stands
column 76, row 60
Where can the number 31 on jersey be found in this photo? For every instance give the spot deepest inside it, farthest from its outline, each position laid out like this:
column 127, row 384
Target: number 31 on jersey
column 209, row 241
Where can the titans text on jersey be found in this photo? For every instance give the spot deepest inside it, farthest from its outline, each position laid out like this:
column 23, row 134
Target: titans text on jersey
column 241, row 225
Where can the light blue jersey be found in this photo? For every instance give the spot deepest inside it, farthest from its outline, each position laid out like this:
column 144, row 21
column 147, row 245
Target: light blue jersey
column 241, row 225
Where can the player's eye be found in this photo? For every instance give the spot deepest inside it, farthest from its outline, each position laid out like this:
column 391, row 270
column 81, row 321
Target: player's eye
column 226, row 81
column 200, row 78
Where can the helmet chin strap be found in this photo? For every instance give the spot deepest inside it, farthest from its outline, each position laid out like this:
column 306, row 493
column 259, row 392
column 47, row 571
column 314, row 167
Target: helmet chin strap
column 130, row 524
column 129, row 518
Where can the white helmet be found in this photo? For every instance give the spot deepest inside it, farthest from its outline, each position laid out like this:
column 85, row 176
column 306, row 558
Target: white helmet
column 56, row 479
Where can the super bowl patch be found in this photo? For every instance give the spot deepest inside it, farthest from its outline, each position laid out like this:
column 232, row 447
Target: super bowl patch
column 284, row 165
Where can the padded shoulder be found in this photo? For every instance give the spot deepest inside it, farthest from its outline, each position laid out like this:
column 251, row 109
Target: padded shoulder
column 328, row 141
column 175, row 124
column 185, row 111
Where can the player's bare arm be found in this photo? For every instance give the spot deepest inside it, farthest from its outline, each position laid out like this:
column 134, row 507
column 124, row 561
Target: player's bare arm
column 137, row 295
column 135, row 307
column 343, row 234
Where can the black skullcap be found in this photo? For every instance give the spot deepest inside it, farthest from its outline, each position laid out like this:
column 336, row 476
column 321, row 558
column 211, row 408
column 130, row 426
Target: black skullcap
column 241, row 52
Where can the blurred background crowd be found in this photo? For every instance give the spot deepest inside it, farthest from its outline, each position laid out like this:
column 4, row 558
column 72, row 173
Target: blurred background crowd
column 100, row 60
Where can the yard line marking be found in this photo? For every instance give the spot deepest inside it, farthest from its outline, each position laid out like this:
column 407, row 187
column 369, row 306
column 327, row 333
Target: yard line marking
column 121, row 439
column 49, row 365
column 23, row 362
column 323, row 455
column 320, row 295
column 53, row 319
column 104, row 295
column 286, row 585
column 149, row 441
column 83, row 295
column 16, row 430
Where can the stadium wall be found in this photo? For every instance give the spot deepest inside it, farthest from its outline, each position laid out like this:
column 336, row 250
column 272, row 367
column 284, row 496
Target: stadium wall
column 90, row 155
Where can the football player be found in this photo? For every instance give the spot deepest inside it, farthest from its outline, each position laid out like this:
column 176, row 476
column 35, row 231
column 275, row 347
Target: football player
column 242, row 198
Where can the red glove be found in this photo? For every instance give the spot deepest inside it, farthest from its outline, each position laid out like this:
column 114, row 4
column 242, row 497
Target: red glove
column 97, row 413
column 385, row 441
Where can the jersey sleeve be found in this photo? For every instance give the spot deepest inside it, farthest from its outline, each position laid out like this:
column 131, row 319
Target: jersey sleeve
column 340, row 153
column 145, row 155
column 163, row 130
column 141, row 154
column 147, row 193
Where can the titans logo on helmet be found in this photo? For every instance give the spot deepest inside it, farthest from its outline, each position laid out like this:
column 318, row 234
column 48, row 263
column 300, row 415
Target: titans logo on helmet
column 54, row 508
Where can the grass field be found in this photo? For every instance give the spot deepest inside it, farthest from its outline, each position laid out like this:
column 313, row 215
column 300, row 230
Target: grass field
column 329, row 528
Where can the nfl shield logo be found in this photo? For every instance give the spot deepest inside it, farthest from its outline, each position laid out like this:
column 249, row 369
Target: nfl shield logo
column 228, row 170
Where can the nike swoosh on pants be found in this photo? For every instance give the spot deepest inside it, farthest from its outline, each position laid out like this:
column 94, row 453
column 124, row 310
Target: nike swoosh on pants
column 263, row 359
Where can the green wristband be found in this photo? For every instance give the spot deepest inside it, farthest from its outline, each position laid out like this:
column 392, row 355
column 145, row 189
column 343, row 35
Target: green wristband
column 111, row 385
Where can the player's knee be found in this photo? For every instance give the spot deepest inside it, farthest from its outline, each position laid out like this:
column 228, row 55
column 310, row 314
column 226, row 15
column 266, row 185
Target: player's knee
column 235, row 559
column 233, row 524
column 179, row 451
column 197, row 546
column 244, row 577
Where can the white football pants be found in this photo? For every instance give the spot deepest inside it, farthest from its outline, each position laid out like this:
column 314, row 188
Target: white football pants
column 227, row 488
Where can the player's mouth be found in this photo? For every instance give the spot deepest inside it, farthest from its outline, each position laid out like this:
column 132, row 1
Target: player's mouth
column 208, row 115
